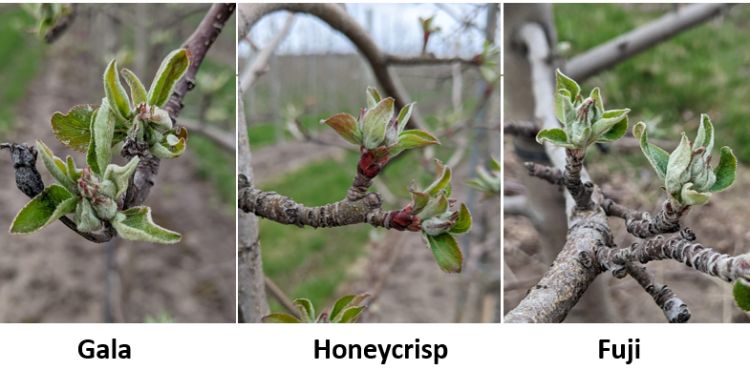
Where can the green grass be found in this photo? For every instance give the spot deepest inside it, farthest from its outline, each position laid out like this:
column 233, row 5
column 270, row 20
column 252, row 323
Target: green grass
column 215, row 165
column 312, row 263
column 20, row 53
column 703, row 70
column 266, row 133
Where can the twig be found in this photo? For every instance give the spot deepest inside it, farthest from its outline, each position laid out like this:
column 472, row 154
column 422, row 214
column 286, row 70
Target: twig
column 421, row 60
column 642, row 224
column 29, row 182
column 281, row 297
column 260, row 65
column 525, row 129
column 224, row 139
column 673, row 307
column 197, row 45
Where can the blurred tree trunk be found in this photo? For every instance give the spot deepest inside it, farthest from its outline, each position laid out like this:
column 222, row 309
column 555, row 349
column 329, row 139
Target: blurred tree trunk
column 549, row 205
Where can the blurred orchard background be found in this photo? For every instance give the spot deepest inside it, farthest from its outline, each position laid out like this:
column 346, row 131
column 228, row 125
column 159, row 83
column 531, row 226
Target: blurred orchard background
column 316, row 72
column 55, row 275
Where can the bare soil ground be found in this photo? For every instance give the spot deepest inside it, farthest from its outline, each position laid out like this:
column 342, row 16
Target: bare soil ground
column 56, row 276
column 722, row 224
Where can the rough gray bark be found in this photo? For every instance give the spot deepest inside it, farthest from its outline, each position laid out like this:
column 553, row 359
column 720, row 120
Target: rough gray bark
column 251, row 300
column 642, row 224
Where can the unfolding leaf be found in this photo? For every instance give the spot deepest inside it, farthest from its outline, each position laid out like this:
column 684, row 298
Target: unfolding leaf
column 689, row 196
column 120, row 176
column 164, row 149
column 73, row 172
column 705, row 136
column 412, row 139
column 609, row 120
column 596, row 96
column 463, row 222
column 103, row 129
column 116, row 94
column 446, row 252
column 374, row 123
column 280, row 318
column 136, row 224
column 172, row 68
column 49, row 205
column 442, row 182
column 306, row 308
column 351, row 314
column 678, row 163
column 73, row 128
column 86, row 217
column 657, row 157
column 617, row 131
column 419, row 200
column 555, row 136
column 137, row 91
column 346, row 126
column 564, row 110
column 434, row 207
column 56, row 167
column 564, row 82
column 403, row 116
column 373, row 97
column 726, row 171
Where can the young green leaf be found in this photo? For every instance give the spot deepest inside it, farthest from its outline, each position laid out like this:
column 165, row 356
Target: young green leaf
column 689, row 196
column 280, row 318
column 306, row 308
column 419, row 200
column 657, row 157
column 373, row 97
column 434, row 207
column 403, row 116
column 350, row 314
column 339, row 306
column 446, row 252
column 596, row 96
column 374, row 123
column 172, row 68
column 72, row 129
column 56, row 167
column 705, row 136
column 678, row 163
column 73, row 172
column 610, row 119
column 116, row 94
column 555, row 136
column 564, row 82
column 49, row 205
column 412, row 139
column 564, row 110
column 170, row 147
column 103, row 130
column 86, row 217
column 442, row 182
column 137, row 91
column 346, row 126
column 120, row 176
column 136, row 224
column 741, row 292
column 726, row 171
column 463, row 222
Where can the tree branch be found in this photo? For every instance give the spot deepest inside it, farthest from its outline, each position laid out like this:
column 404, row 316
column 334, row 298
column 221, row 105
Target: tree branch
column 337, row 17
column 642, row 224
column 642, row 38
column 197, row 45
column 421, row 60
column 684, row 249
column 29, row 182
column 674, row 308
column 259, row 66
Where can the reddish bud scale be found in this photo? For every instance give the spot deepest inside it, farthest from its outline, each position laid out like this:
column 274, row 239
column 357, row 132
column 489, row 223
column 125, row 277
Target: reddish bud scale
column 404, row 219
column 369, row 165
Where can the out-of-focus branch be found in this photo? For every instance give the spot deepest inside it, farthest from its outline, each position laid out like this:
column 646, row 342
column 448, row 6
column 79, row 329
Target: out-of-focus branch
column 337, row 17
column 642, row 38
column 260, row 65
column 224, row 139
column 421, row 60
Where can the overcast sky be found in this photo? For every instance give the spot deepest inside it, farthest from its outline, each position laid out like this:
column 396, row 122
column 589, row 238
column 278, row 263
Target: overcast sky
column 394, row 27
